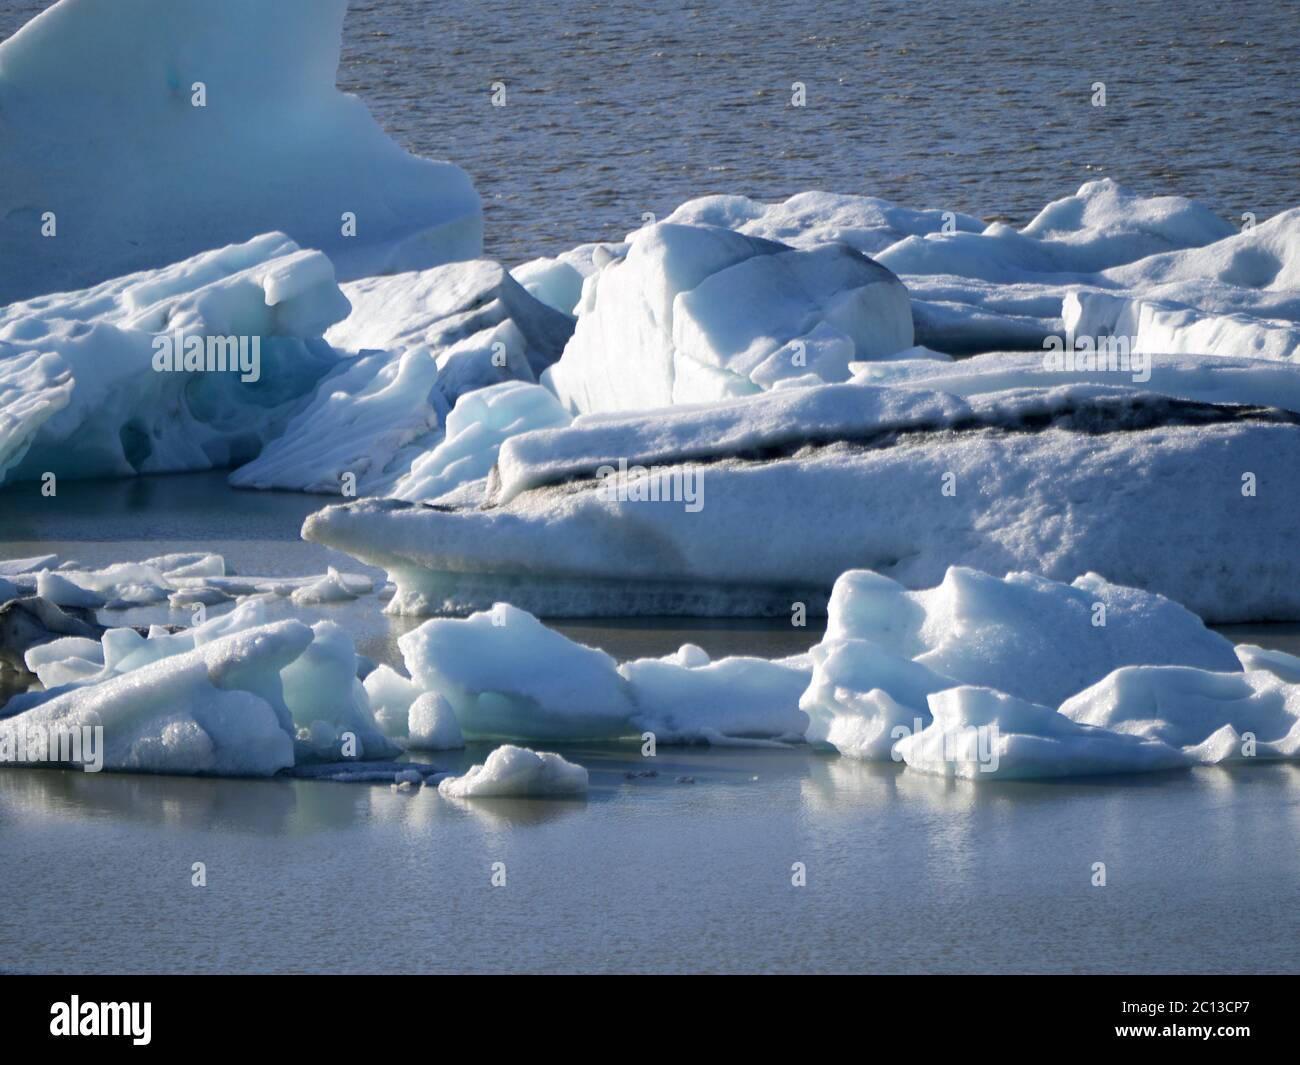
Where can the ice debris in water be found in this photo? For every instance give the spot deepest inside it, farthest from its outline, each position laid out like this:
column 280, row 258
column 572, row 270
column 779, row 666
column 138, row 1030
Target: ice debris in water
column 516, row 772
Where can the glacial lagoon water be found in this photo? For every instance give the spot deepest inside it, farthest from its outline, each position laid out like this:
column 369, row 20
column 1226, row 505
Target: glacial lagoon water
column 689, row 869
column 614, row 110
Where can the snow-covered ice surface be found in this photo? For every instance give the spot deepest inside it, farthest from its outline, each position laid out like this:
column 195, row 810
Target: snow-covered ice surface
column 750, row 505
column 141, row 177
column 87, row 388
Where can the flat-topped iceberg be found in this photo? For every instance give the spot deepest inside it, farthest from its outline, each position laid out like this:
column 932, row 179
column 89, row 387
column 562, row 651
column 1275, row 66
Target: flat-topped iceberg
column 223, row 122
column 751, row 505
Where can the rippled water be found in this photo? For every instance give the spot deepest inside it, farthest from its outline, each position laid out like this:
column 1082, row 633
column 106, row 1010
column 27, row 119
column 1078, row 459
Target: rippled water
column 616, row 108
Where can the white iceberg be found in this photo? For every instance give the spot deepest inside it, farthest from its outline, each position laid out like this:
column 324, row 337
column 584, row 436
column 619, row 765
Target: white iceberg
column 696, row 313
column 506, row 675
column 810, row 219
column 313, row 688
column 476, row 428
column 216, row 708
column 189, row 367
column 751, row 505
column 1212, row 717
column 516, row 773
column 432, row 724
column 888, row 650
column 444, row 333
column 981, row 734
column 223, row 122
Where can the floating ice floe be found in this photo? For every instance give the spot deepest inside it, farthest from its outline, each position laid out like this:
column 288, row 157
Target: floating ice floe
column 184, row 580
column 507, row 676
column 189, row 367
column 444, row 333
column 237, row 695
column 976, row 732
column 696, row 313
column 224, row 121
column 750, row 505
column 888, row 650
column 515, row 773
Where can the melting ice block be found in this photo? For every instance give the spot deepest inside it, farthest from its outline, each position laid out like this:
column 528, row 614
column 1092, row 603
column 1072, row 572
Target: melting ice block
column 223, row 122
column 1212, row 717
column 887, row 651
column 517, row 773
column 506, row 675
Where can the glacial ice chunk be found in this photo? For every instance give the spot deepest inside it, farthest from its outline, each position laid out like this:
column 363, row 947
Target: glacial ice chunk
column 515, row 773
column 977, row 734
column 223, row 122
column 692, row 312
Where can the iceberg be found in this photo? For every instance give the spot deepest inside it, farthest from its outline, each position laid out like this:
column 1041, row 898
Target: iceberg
column 505, row 675
column 181, row 579
column 810, row 219
column 214, row 709
column 164, row 698
column 223, row 122
column 1212, row 717
column 189, row 367
column 887, row 651
column 425, row 340
column 975, row 731
column 516, row 773
column 476, row 428
column 754, row 504
column 697, row 313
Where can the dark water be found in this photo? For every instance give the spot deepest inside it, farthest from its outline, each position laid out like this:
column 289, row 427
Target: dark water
column 618, row 108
